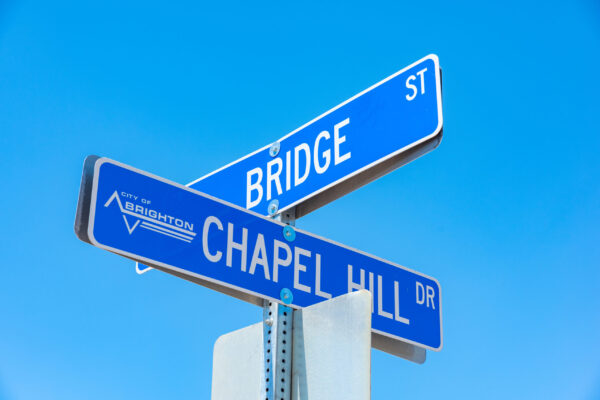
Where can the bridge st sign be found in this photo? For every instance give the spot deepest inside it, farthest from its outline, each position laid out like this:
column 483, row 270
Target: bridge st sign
column 378, row 130
column 228, row 248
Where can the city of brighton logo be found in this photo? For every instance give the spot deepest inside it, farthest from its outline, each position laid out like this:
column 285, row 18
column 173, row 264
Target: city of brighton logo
column 152, row 220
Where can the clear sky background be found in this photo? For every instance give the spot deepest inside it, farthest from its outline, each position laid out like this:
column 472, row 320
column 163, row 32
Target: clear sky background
column 505, row 213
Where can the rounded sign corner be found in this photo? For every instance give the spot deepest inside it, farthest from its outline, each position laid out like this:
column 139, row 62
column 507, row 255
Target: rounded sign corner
column 100, row 161
column 91, row 237
column 433, row 57
column 439, row 348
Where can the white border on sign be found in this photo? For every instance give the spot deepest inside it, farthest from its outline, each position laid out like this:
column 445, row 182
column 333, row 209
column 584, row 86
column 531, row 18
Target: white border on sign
column 93, row 240
column 438, row 129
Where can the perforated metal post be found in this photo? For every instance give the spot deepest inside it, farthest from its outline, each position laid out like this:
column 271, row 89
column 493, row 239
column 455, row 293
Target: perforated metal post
column 278, row 350
column 277, row 337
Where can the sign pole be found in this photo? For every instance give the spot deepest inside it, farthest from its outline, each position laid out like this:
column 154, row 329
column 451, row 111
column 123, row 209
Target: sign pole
column 277, row 347
column 277, row 337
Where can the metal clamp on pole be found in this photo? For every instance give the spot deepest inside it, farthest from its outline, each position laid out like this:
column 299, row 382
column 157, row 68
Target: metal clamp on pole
column 277, row 335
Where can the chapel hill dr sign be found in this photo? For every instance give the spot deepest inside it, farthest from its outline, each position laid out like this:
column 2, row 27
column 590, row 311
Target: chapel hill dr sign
column 239, row 252
column 378, row 130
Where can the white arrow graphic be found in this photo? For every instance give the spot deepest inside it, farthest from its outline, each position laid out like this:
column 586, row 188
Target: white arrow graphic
column 114, row 196
column 130, row 230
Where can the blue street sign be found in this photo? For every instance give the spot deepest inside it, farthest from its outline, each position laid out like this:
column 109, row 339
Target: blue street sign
column 223, row 246
column 380, row 129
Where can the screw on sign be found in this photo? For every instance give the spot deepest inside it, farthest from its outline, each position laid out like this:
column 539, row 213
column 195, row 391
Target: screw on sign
column 289, row 233
column 273, row 207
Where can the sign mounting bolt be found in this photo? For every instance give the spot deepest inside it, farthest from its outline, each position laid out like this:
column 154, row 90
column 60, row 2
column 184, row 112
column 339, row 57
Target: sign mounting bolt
column 274, row 150
column 289, row 233
column 286, row 296
column 273, row 207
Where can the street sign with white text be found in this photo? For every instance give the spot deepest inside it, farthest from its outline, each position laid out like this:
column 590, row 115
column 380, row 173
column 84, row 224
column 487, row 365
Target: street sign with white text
column 380, row 129
column 239, row 252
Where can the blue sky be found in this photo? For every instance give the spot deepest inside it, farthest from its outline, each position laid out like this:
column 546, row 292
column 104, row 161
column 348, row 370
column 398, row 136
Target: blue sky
column 504, row 213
